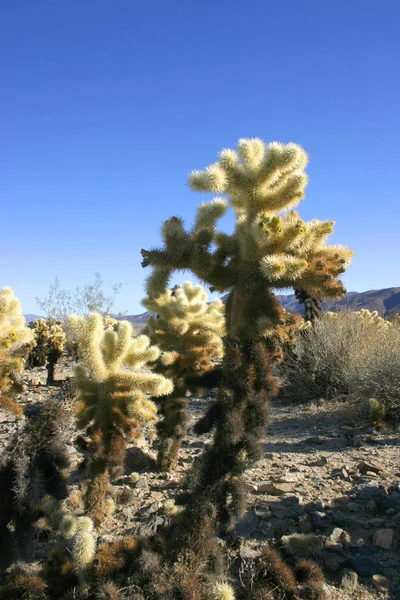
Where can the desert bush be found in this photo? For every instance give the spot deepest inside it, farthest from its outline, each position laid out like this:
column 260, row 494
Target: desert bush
column 61, row 302
column 112, row 401
column 15, row 337
column 373, row 373
column 189, row 332
column 352, row 354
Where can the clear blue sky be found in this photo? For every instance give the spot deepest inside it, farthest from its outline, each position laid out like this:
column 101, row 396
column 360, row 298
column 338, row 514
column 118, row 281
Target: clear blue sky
column 107, row 105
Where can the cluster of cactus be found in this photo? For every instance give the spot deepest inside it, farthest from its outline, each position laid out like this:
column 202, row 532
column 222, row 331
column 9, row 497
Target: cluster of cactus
column 271, row 247
column 15, row 339
column 189, row 333
column 49, row 345
column 112, row 398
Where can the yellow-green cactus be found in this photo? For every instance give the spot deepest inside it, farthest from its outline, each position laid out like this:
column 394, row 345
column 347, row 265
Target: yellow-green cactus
column 113, row 394
column 14, row 336
column 266, row 250
column 271, row 247
column 49, row 345
column 189, row 332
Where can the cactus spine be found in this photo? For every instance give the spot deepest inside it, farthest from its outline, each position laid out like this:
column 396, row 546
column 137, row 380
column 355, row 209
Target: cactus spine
column 189, row 332
column 113, row 401
column 271, row 247
column 14, row 336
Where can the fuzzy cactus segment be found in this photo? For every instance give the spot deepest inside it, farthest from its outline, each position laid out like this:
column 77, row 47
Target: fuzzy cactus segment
column 189, row 333
column 113, row 397
column 14, row 337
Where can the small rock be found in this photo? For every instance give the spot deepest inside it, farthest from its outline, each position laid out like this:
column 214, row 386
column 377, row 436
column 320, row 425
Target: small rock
column 331, row 565
column 315, row 439
column 371, row 507
column 381, row 583
column 383, row 538
column 320, row 520
column 390, row 512
column 396, row 518
column 274, row 489
column 335, row 536
column 337, row 517
column 349, row 580
column 354, row 506
column 247, row 525
column 370, row 467
column 372, row 492
column 376, row 522
column 364, row 566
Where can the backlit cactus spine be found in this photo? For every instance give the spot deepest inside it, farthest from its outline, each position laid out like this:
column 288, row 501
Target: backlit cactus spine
column 113, row 398
column 271, row 247
column 189, row 333
column 14, row 336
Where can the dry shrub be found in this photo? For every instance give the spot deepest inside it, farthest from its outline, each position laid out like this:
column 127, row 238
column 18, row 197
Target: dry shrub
column 346, row 354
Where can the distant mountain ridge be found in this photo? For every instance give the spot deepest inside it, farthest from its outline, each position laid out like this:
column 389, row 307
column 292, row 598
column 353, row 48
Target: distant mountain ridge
column 386, row 302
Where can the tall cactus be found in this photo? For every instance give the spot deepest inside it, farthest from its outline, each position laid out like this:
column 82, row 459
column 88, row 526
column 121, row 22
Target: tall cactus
column 189, row 332
column 14, row 336
column 113, row 401
column 312, row 307
column 271, row 247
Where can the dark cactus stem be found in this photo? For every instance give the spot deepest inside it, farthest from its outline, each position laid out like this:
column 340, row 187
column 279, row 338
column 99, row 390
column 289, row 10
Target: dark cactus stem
column 172, row 427
column 239, row 417
column 312, row 306
column 52, row 359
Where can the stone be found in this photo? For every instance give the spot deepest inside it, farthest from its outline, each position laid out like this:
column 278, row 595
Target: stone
column 354, row 506
column 381, row 583
column 376, row 522
column 371, row 507
column 320, row 520
column 349, row 580
column 370, row 466
column 390, row 512
column 372, row 492
column 331, row 564
column 315, row 439
column 335, row 536
column 364, row 566
column 383, row 538
column 396, row 519
column 337, row 517
column 274, row 489
column 247, row 525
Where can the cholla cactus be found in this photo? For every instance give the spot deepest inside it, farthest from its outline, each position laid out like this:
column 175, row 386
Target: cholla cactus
column 189, row 332
column 14, row 336
column 271, row 247
column 312, row 307
column 366, row 317
column 113, row 400
column 50, row 339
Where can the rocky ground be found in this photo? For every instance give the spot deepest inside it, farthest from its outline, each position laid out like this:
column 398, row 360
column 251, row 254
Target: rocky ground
column 324, row 475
